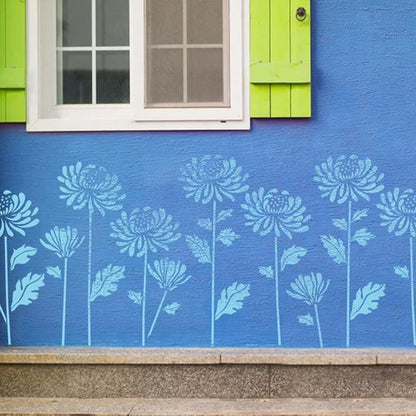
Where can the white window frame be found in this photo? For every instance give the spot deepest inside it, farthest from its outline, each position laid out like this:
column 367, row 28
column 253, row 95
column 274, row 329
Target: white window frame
column 43, row 114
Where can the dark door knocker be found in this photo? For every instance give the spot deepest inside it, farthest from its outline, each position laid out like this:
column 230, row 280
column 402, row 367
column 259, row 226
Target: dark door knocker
column 300, row 14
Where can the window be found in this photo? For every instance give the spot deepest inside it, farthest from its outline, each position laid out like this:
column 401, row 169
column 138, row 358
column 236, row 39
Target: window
column 137, row 65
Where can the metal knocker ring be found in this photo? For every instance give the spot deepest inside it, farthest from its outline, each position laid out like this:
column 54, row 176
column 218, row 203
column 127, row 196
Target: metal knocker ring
column 300, row 14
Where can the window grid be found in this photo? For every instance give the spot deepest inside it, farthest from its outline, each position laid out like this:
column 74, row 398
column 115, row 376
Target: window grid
column 185, row 46
column 93, row 49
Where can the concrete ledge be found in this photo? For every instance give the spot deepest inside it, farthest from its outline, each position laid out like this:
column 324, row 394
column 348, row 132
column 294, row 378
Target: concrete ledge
column 207, row 407
column 84, row 355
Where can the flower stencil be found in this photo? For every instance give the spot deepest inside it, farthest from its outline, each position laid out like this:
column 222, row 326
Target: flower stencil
column 63, row 241
column 16, row 213
column 93, row 187
column 399, row 211
column 277, row 211
column 310, row 289
column 169, row 274
column 144, row 229
column 213, row 177
column 345, row 180
column 90, row 186
column 398, row 214
column 284, row 215
column 348, row 178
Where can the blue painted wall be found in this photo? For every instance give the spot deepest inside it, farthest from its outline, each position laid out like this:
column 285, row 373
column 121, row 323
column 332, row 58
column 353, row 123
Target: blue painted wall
column 339, row 231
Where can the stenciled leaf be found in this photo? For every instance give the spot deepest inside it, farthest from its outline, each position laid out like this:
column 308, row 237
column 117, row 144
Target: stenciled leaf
column 306, row 320
column 340, row 223
column 362, row 237
column 227, row 237
column 205, row 223
column 402, row 271
column 362, row 213
column 136, row 297
column 292, row 256
column 21, row 255
column 231, row 299
column 266, row 271
column 172, row 308
column 54, row 271
column 106, row 281
column 366, row 299
column 200, row 248
column 27, row 290
column 224, row 214
column 335, row 247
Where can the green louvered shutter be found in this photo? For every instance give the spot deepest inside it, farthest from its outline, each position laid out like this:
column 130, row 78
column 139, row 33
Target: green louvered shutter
column 279, row 59
column 12, row 60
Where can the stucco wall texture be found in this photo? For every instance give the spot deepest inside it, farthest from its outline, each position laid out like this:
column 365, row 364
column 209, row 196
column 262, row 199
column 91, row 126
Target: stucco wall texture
column 298, row 233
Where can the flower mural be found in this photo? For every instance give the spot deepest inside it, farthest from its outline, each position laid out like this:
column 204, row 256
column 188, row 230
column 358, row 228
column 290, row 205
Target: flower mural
column 142, row 231
column 63, row 241
column 283, row 215
column 347, row 179
column 310, row 289
column 213, row 179
column 169, row 275
column 92, row 187
column 16, row 214
column 398, row 214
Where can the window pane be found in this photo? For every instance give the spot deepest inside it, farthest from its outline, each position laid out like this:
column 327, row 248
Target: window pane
column 205, row 75
column 76, row 75
column 164, row 22
column 112, row 22
column 165, row 76
column 76, row 22
column 205, row 21
column 113, row 77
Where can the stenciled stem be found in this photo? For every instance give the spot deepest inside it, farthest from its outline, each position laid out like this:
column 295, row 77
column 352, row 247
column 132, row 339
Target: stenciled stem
column 412, row 290
column 318, row 324
column 214, row 224
column 157, row 313
column 144, row 300
column 3, row 314
column 64, row 302
column 276, row 282
column 89, row 274
column 348, row 274
column 6, row 287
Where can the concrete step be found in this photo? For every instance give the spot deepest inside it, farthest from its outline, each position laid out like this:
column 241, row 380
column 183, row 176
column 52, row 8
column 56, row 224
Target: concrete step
column 206, row 407
column 210, row 373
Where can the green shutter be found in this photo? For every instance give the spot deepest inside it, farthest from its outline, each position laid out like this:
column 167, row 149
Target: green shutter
column 279, row 59
column 12, row 60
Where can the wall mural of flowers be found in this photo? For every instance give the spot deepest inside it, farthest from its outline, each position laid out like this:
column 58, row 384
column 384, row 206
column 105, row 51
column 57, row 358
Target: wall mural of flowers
column 310, row 289
column 347, row 179
column 398, row 214
column 142, row 232
column 274, row 224
column 283, row 215
column 169, row 275
column 93, row 188
column 63, row 241
column 16, row 215
column 215, row 179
